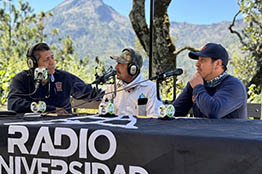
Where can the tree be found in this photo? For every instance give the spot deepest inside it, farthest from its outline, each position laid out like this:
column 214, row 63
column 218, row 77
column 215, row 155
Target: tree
column 164, row 51
column 251, row 39
column 67, row 59
column 20, row 28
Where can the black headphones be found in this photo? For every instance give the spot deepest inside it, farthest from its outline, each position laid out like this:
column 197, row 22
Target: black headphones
column 31, row 60
column 132, row 68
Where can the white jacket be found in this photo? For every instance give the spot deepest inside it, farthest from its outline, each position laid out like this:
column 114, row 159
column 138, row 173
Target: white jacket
column 127, row 95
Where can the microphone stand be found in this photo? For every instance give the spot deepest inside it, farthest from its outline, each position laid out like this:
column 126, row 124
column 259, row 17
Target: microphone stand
column 114, row 82
column 114, row 96
column 36, row 88
column 174, row 87
column 159, row 79
column 96, row 88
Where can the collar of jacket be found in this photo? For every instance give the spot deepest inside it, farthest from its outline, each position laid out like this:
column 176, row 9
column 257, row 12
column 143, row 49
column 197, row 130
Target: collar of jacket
column 138, row 81
column 216, row 81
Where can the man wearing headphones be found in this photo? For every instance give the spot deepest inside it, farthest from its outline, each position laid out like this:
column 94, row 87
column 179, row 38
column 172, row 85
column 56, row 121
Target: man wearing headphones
column 132, row 86
column 55, row 91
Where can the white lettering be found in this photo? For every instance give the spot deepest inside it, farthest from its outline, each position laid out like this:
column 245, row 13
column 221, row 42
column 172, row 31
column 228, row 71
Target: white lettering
column 19, row 142
column 72, row 167
column 73, row 144
column 33, row 165
column 47, row 145
column 9, row 169
column 112, row 144
column 44, row 143
column 17, row 165
column 87, row 168
column 55, row 163
column 137, row 170
column 41, row 168
column 83, row 143
column 99, row 166
column 119, row 169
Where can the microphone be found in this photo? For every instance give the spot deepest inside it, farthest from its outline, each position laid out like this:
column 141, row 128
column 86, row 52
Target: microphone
column 105, row 77
column 175, row 72
column 162, row 76
column 40, row 76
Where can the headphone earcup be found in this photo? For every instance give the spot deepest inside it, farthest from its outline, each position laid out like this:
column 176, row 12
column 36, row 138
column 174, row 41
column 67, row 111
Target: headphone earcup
column 31, row 62
column 132, row 69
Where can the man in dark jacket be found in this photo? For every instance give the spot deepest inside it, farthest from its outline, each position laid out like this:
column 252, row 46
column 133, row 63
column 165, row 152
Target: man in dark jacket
column 54, row 91
column 211, row 92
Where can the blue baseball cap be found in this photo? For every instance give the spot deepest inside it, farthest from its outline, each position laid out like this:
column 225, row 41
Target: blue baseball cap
column 213, row 50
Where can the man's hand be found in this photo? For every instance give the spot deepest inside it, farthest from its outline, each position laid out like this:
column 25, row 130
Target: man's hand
column 61, row 111
column 196, row 79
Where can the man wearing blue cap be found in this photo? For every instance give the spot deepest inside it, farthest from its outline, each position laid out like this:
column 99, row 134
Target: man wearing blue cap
column 211, row 92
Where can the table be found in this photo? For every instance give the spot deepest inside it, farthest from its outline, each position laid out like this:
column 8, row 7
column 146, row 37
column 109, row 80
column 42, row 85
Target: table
column 91, row 144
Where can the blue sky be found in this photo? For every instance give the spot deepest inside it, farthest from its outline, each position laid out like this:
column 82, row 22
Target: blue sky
column 191, row 11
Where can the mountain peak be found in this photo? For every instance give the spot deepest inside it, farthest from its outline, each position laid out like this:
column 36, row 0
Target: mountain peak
column 98, row 30
column 80, row 2
column 95, row 9
column 87, row 21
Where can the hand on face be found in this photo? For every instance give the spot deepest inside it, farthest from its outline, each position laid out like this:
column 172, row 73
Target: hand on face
column 208, row 68
column 196, row 79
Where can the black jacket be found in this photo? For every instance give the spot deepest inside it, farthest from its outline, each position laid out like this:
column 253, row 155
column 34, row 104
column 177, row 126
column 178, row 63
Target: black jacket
column 54, row 94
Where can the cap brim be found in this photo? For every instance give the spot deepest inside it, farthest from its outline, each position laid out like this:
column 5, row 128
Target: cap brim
column 119, row 59
column 195, row 55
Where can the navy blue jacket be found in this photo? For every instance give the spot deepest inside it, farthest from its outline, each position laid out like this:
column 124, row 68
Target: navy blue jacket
column 226, row 100
column 65, row 85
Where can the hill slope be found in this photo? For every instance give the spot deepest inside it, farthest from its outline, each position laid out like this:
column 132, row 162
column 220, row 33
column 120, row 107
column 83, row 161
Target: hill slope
column 98, row 30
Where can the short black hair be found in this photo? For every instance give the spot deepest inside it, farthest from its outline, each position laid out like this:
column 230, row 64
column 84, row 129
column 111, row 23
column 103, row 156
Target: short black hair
column 39, row 47
column 223, row 66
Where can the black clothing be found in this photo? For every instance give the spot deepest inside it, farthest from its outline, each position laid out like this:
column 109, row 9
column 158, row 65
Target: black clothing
column 54, row 94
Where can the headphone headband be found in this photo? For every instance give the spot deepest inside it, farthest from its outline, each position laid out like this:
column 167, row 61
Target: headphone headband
column 133, row 54
column 132, row 68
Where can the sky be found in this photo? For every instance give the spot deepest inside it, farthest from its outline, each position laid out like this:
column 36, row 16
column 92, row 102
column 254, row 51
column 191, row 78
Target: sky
column 190, row 11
